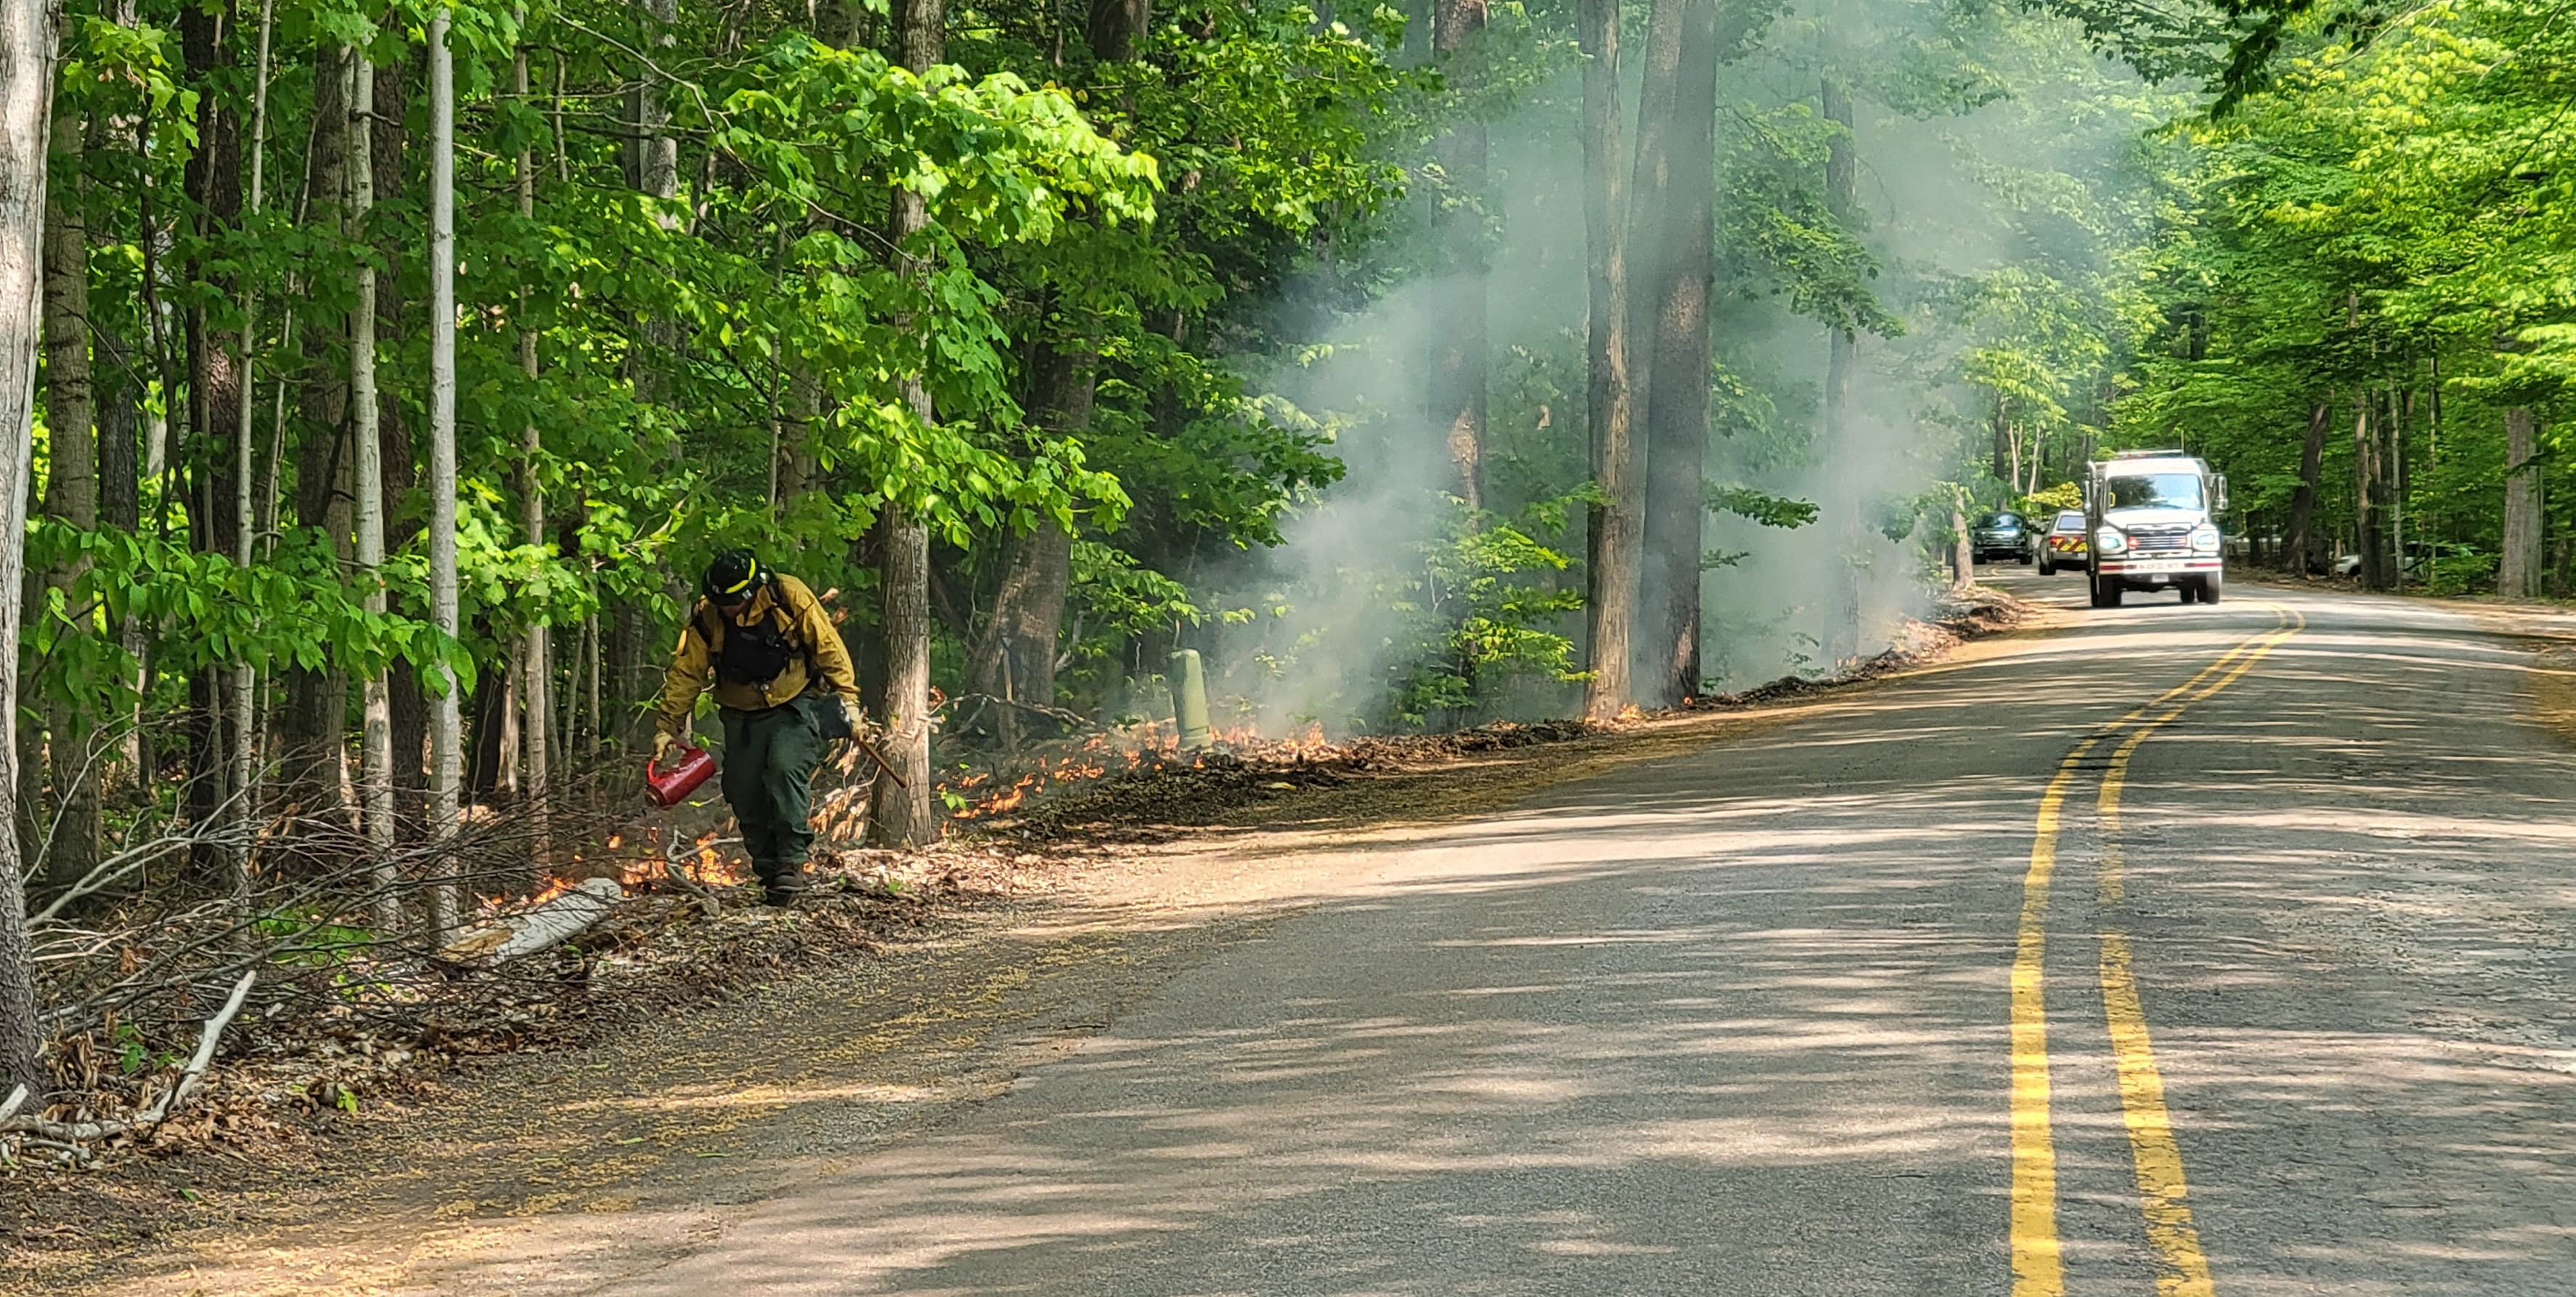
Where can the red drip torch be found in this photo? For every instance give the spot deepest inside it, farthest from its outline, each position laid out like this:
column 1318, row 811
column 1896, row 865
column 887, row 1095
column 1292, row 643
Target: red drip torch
column 689, row 769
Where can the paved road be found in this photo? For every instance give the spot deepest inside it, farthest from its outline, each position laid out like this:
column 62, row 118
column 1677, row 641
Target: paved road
column 2189, row 950
column 1890, row 999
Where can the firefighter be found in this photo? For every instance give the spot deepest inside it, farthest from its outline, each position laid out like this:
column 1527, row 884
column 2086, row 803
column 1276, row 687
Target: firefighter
column 786, row 693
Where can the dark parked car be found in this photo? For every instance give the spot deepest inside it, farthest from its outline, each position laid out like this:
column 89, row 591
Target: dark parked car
column 2002, row 537
column 2064, row 547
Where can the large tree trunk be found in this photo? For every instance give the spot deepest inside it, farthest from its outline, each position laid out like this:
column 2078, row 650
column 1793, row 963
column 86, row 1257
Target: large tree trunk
column 2519, row 565
column 446, row 746
column 71, row 488
column 1458, row 361
column 26, row 92
column 1015, row 659
column 899, row 808
column 1116, row 27
column 1677, row 384
column 312, row 730
column 2307, row 544
column 1615, row 528
column 1842, row 525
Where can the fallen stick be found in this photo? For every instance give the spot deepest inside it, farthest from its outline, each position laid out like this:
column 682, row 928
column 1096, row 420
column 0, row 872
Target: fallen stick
column 206, row 1042
column 79, row 1132
column 538, row 928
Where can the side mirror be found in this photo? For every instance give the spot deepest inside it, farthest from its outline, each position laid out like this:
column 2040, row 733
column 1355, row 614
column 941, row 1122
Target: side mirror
column 2222, row 494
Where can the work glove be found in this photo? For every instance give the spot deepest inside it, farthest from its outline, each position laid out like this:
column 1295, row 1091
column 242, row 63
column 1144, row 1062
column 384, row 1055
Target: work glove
column 860, row 730
column 664, row 744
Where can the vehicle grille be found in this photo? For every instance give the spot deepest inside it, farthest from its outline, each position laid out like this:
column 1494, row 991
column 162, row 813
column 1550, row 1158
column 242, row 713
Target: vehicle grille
column 2173, row 541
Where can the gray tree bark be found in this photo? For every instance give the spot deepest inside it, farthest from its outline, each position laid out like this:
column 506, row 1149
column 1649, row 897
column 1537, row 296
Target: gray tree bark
column 26, row 96
column 1015, row 658
column 536, row 653
column 1842, row 524
column 376, row 737
column 1614, row 530
column 71, row 487
column 2307, row 544
column 1679, row 148
column 900, row 813
column 311, row 729
column 446, row 731
column 2519, row 566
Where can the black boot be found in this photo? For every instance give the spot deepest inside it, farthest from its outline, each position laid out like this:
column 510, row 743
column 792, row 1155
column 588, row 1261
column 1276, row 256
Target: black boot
column 781, row 886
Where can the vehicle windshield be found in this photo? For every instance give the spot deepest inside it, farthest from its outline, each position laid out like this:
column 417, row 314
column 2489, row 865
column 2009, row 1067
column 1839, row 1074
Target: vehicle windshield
column 2000, row 521
column 2070, row 522
column 2154, row 491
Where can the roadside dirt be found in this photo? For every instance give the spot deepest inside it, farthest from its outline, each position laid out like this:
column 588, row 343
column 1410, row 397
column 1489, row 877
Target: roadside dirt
column 532, row 1171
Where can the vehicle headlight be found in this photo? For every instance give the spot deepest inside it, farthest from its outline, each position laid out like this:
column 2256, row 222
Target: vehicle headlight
column 2109, row 540
column 2204, row 539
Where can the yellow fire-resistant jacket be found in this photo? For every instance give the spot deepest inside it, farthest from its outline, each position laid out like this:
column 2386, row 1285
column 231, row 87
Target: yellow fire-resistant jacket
column 810, row 634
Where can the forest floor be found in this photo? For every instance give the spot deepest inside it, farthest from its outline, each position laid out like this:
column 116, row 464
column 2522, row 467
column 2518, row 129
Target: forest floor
column 726, row 1043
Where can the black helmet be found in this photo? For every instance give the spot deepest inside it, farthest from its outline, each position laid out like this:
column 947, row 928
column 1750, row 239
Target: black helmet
column 732, row 576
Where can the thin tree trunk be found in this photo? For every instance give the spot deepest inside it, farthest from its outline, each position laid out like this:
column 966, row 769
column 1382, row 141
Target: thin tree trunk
column 1842, row 459
column 212, row 182
column 899, row 808
column 1458, row 361
column 1615, row 529
column 245, row 680
column 376, row 735
column 26, row 95
column 2519, row 566
column 1963, row 554
column 71, row 489
column 2365, row 510
column 2306, row 543
column 1677, row 386
column 538, row 650
column 445, row 734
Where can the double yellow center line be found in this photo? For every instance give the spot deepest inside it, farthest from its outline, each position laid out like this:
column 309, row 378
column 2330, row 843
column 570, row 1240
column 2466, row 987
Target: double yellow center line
column 2038, row 1267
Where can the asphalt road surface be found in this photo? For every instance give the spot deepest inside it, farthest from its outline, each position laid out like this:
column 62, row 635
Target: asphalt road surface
column 2173, row 951
column 2190, row 950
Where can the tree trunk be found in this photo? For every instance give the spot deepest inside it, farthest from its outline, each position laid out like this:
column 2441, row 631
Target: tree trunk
column 1458, row 360
column 446, row 738
column 26, row 93
column 899, row 808
column 376, row 737
column 1963, row 554
column 212, row 181
column 2519, row 566
column 1677, row 384
column 2306, row 544
column 312, row 727
column 536, row 651
column 1015, row 659
column 1842, row 459
column 2367, row 536
column 1116, row 27
column 243, row 695
column 1615, row 528
column 71, row 488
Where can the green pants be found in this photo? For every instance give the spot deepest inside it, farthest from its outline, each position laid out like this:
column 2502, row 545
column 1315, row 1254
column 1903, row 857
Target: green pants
column 769, row 761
